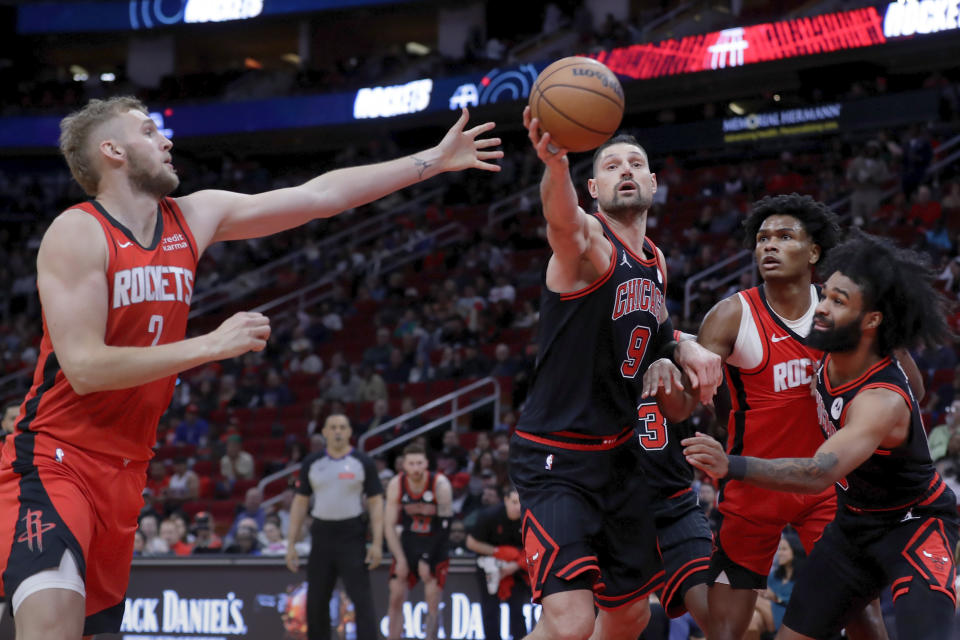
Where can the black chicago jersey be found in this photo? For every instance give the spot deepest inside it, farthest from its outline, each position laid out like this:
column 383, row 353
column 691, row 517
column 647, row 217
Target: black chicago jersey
column 595, row 347
column 896, row 526
column 890, row 481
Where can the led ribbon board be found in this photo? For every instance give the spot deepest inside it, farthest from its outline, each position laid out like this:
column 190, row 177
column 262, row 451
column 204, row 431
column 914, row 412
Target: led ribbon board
column 771, row 41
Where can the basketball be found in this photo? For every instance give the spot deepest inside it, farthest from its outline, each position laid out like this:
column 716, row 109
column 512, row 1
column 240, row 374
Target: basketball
column 579, row 101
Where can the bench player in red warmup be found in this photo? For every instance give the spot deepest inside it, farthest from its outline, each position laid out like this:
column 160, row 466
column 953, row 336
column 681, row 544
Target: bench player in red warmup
column 115, row 276
column 896, row 521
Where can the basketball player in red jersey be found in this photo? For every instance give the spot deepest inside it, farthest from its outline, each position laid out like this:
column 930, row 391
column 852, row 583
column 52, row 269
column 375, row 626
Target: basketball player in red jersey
column 896, row 523
column 115, row 277
column 761, row 335
column 422, row 503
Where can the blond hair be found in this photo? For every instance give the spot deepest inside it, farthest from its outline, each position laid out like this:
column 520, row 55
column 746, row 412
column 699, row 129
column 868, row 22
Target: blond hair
column 75, row 131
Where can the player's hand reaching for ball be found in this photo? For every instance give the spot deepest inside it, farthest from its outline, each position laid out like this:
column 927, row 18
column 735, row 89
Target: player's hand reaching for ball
column 464, row 149
column 242, row 332
column 549, row 154
column 706, row 454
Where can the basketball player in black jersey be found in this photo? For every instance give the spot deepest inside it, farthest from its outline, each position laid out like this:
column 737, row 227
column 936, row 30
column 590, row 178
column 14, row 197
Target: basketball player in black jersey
column 896, row 521
column 588, row 538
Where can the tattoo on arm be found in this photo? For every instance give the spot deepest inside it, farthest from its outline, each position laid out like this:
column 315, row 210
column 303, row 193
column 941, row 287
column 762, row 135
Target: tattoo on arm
column 801, row 475
column 422, row 166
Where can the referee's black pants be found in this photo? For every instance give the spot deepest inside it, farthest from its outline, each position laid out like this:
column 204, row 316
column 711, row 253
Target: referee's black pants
column 339, row 549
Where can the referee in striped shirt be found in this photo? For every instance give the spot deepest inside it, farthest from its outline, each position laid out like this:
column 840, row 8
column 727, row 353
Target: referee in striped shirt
column 339, row 477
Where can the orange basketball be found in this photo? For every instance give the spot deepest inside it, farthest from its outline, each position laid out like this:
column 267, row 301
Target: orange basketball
column 579, row 101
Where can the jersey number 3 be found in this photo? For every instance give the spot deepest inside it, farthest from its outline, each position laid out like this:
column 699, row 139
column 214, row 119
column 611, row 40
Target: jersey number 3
column 652, row 427
column 636, row 348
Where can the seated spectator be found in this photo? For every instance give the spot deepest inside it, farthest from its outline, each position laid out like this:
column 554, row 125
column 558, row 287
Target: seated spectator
column 504, row 365
column 154, row 544
column 380, row 416
column 460, row 485
column 503, row 291
column 252, row 509
column 411, row 422
column 422, row 370
column 343, row 384
column 452, row 449
column 272, row 542
column 205, row 540
column 182, row 485
column 372, row 387
column 925, row 210
column 940, row 436
column 481, row 445
column 171, row 536
column 384, row 472
column 772, row 603
column 867, row 174
column 236, row 463
column 139, row 543
column 378, row 354
column 707, row 499
column 450, row 366
column 193, row 429
column 457, row 541
column 475, row 364
column 397, row 370
column 501, row 462
column 157, row 480
column 245, row 541
column 275, row 392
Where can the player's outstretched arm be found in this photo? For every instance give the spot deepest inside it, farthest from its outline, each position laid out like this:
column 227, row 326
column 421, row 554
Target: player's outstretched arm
column 580, row 252
column 223, row 215
column 874, row 418
column 71, row 279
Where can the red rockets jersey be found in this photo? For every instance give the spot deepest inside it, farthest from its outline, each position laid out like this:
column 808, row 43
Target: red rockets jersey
column 149, row 296
column 774, row 413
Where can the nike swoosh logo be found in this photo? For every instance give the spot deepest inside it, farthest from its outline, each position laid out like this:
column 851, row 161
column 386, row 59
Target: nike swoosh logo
column 124, row 245
column 778, row 338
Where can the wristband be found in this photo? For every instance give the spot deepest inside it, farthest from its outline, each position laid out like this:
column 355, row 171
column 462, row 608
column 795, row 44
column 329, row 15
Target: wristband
column 737, row 467
column 667, row 351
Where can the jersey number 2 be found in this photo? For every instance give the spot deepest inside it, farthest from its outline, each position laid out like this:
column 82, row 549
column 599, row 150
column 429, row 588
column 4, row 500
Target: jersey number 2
column 652, row 427
column 636, row 348
column 155, row 327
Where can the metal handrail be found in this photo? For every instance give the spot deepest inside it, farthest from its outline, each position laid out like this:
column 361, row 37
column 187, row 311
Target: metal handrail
column 451, row 397
column 455, row 412
column 689, row 295
column 443, row 236
column 362, row 230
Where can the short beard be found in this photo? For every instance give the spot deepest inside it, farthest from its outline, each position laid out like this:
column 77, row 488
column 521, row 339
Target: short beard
column 159, row 184
column 618, row 208
column 845, row 338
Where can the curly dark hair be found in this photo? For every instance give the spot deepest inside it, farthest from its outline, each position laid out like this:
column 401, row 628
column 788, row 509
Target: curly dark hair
column 898, row 283
column 819, row 221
